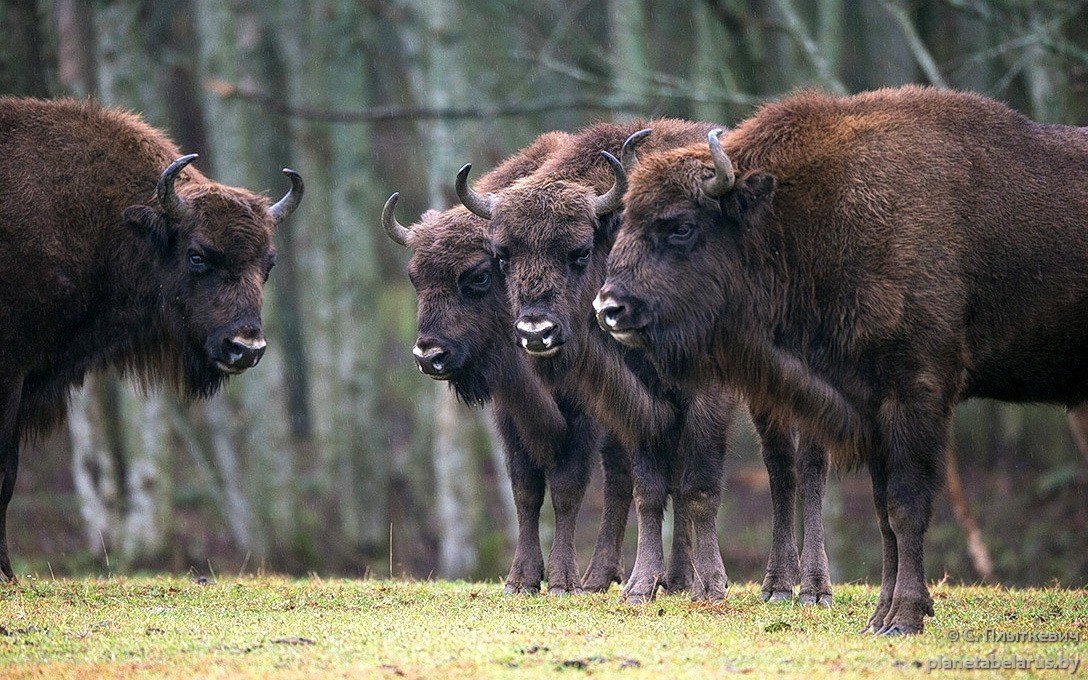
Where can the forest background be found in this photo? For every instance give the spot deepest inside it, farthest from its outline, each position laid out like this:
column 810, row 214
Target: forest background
column 335, row 456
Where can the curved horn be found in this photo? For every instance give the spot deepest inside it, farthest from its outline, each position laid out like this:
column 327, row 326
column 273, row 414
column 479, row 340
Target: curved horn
column 397, row 231
column 722, row 181
column 480, row 205
column 171, row 204
column 627, row 153
column 286, row 205
column 611, row 200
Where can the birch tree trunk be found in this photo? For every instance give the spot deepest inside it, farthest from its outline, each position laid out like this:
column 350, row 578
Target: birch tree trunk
column 438, row 80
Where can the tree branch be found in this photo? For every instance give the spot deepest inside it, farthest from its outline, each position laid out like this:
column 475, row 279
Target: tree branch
column 386, row 114
column 796, row 28
column 918, row 48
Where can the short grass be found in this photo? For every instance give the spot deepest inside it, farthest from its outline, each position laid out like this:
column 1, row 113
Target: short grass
column 258, row 626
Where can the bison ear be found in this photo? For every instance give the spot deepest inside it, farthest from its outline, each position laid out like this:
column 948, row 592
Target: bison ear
column 749, row 195
column 607, row 225
column 151, row 224
column 756, row 187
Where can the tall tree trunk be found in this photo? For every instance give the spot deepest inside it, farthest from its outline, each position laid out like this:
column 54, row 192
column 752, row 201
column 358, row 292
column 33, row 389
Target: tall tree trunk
column 21, row 65
column 438, row 80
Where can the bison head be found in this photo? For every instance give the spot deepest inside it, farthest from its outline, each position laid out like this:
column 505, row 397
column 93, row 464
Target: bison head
column 461, row 315
column 683, row 256
column 215, row 253
column 550, row 239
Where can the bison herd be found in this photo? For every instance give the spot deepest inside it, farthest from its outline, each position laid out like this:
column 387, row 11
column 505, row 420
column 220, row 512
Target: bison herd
column 846, row 268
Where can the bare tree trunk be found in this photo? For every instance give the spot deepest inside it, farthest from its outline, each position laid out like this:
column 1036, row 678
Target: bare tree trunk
column 627, row 31
column 21, row 63
column 97, row 483
column 1078, row 428
column 455, row 493
column 976, row 546
column 437, row 80
column 77, row 69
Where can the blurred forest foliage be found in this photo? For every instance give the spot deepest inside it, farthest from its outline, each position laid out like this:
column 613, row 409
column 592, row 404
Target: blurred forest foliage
column 336, row 456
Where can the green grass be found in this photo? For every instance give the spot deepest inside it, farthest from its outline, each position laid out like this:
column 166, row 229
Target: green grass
column 254, row 626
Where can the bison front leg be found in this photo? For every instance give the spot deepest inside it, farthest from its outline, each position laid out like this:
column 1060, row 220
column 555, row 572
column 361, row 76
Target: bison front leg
column 651, row 491
column 702, row 507
column 604, row 566
column 815, row 574
column 889, row 550
column 916, row 438
column 783, row 566
column 568, row 480
column 527, row 480
column 10, row 397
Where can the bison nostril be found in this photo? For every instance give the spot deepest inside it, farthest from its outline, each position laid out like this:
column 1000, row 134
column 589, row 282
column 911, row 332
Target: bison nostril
column 537, row 335
column 609, row 314
column 432, row 360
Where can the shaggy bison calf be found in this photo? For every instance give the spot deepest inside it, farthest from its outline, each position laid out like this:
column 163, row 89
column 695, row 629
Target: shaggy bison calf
column 858, row 266
column 113, row 253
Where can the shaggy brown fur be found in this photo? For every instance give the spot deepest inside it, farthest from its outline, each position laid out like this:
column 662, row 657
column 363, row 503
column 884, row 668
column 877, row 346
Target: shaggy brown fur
column 553, row 249
column 879, row 258
column 462, row 311
column 93, row 274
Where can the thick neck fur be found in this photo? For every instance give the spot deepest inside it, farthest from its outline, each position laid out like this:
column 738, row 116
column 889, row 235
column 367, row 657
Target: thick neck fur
column 90, row 296
column 618, row 386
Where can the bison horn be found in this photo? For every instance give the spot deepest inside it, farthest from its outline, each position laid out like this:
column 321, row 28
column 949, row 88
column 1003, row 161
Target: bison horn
column 627, row 153
column 397, row 231
column 287, row 205
column 171, row 204
column 481, row 205
column 611, row 200
column 722, row 181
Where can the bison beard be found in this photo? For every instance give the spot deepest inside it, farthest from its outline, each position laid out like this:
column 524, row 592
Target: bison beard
column 862, row 270
column 107, row 264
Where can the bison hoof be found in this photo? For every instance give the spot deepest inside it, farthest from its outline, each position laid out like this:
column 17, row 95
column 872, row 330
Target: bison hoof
column 897, row 629
column 777, row 596
column 814, row 600
column 638, row 598
column 516, row 589
column 596, row 584
column 712, row 594
column 561, row 591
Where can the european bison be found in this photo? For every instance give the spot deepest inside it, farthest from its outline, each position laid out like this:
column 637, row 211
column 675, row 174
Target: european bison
column 464, row 338
column 552, row 232
column 113, row 253
column 858, row 266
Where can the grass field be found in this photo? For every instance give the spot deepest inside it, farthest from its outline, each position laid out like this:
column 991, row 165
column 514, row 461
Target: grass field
column 256, row 626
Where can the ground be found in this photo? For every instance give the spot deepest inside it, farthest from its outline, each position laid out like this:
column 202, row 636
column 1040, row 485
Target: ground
column 255, row 626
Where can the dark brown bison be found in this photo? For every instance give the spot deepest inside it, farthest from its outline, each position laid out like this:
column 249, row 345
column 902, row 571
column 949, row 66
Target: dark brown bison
column 464, row 337
column 113, row 253
column 552, row 232
column 858, row 266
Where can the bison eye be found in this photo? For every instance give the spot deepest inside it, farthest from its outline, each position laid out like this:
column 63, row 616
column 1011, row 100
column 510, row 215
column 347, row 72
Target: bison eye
column 579, row 258
column 477, row 284
column 682, row 234
column 197, row 261
column 503, row 264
